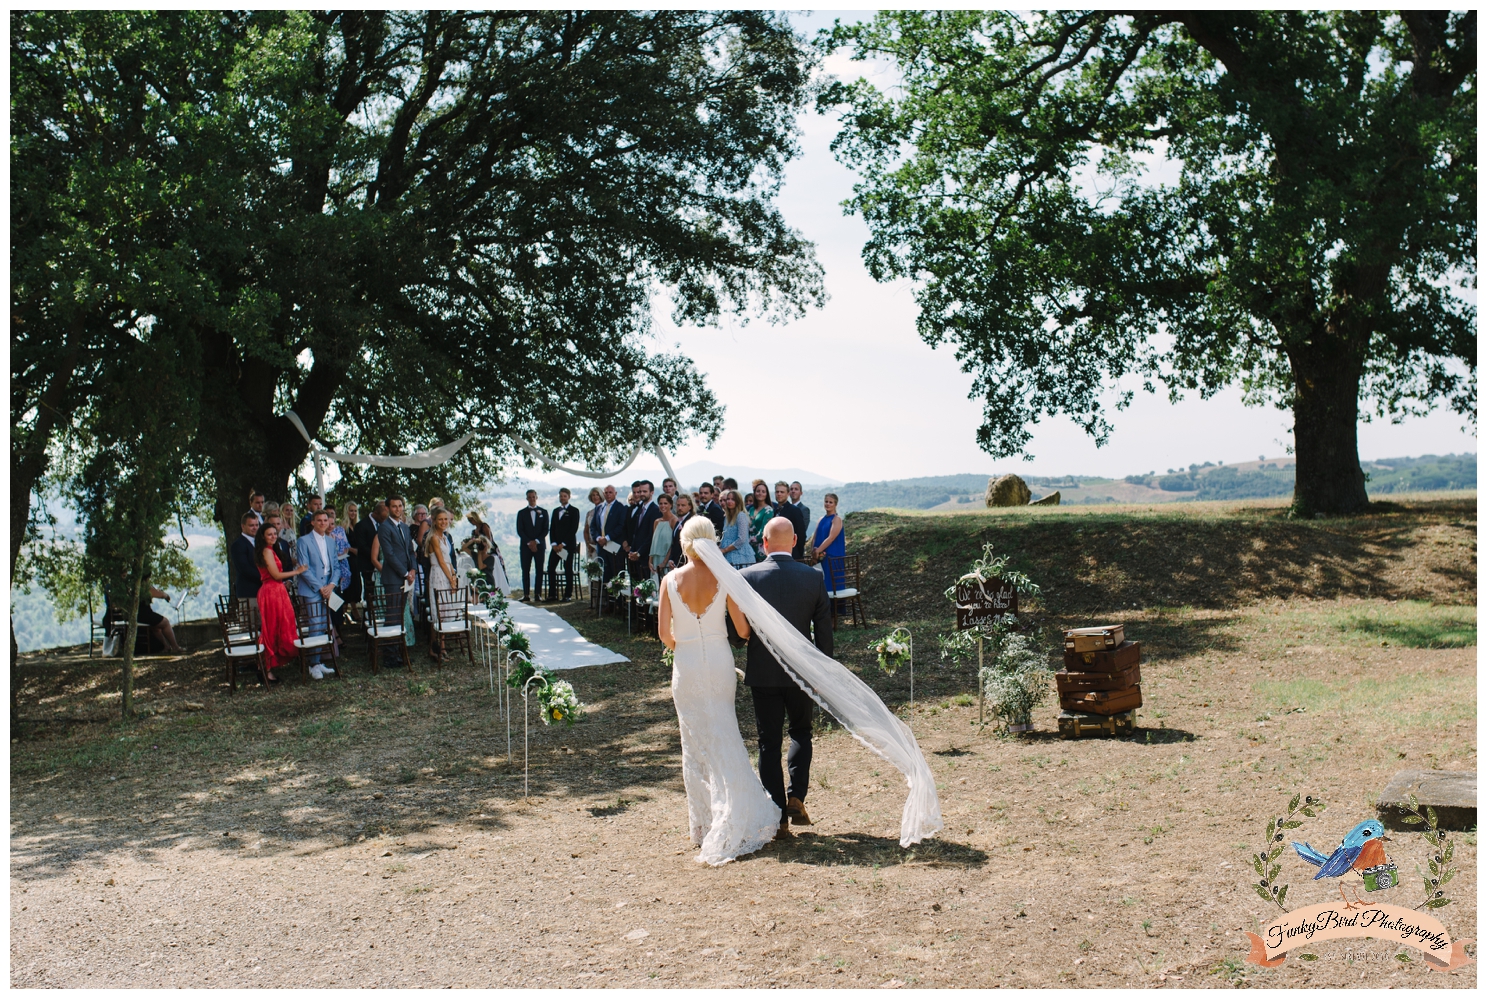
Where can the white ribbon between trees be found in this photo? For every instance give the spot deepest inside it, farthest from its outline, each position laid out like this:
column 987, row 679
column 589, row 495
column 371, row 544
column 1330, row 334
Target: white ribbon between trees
column 439, row 455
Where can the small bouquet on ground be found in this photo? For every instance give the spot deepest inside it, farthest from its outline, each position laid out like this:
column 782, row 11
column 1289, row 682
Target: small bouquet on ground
column 619, row 584
column 893, row 650
column 645, row 590
column 559, row 702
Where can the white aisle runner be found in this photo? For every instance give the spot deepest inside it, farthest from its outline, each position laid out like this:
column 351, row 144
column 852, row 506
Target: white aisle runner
column 555, row 645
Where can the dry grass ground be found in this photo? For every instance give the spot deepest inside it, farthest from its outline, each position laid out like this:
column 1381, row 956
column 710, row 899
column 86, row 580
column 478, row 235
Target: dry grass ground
column 370, row 831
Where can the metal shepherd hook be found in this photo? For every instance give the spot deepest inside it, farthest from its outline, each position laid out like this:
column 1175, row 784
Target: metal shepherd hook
column 525, row 725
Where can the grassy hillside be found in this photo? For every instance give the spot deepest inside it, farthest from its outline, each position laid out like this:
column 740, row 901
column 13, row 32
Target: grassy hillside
column 1094, row 561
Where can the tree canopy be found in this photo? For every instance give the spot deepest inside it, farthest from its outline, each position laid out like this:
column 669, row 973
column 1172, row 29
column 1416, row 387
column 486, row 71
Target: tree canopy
column 1312, row 248
column 402, row 225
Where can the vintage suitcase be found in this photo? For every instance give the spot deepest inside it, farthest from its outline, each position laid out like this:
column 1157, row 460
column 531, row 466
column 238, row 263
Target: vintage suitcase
column 1102, row 702
column 1070, row 682
column 1096, row 639
column 1077, row 725
column 1108, row 661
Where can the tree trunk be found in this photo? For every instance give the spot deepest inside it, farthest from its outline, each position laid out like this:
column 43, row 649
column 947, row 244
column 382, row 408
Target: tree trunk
column 131, row 635
column 1329, row 479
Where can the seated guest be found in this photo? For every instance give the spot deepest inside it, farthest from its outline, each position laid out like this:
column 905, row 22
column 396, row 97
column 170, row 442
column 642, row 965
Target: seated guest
column 661, row 535
column 245, row 586
column 157, row 623
column 830, row 544
column 735, row 540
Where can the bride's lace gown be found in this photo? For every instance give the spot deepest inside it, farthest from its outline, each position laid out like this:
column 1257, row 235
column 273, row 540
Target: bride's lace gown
column 730, row 812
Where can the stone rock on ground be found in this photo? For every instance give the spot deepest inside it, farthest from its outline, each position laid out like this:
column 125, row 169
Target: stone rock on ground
column 1007, row 490
column 1452, row 793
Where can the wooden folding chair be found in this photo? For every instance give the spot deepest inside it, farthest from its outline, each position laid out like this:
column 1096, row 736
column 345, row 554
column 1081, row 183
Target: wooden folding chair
column 241, row 643
column 316, row 634
column 384, row 622
column 844, row 572
column 451, row 620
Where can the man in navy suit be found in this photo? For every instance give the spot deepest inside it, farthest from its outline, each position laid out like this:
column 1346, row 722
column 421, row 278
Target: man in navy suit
column 393, row 555
column 317, row 550
column 638, row 531
column 710, row 506
column 611, row 519
column 245, row 587
column 798, row 592
column 531, row 528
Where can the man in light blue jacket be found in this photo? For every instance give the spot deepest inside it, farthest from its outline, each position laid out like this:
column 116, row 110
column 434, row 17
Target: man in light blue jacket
column 317, row 551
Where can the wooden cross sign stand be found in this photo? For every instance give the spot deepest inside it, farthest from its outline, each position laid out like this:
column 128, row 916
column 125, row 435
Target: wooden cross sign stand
column 978, row 603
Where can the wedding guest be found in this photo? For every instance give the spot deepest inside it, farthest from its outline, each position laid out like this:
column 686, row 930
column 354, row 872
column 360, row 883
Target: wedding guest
column 668, row 488
column 157, row 623
column 796, row 491
column 365, row 537
column 277, row 627
column 312, row 506
column 337, row 534
column 351, row 521
column 246, row 585
column 709, row 506
column 830, row 544
column 730, row 483
column 317, row 583
column 420, row 529
column 255, row 506
column 611, row 531
column 661, row 534
column 718, row 481
column 394, row 557
column 439, row 550
column 685, row 510
column 641, row 529
column 761, row 510
column 531, row 528
column 591, row 524
column 735, row 540
column 784, row 508
column 564, row 537
column 287, row 536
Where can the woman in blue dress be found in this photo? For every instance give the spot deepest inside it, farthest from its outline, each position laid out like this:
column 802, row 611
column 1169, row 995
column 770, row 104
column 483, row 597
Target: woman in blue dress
column 830, row 544
column 735, row 542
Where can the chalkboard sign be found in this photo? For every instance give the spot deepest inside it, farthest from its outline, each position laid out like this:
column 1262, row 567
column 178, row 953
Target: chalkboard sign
column 978, row 603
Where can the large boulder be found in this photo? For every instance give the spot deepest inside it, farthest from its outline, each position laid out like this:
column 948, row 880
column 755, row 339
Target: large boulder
column 1007, row 490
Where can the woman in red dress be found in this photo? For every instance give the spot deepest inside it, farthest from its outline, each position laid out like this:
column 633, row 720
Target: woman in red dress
column 275, row 612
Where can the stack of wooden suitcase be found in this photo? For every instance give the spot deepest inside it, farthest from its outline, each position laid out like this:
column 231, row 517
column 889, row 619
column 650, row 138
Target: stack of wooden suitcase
column 1099, row 687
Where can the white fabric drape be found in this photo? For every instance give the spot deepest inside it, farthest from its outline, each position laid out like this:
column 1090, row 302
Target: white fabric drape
column 439, row 455
column 839, row 691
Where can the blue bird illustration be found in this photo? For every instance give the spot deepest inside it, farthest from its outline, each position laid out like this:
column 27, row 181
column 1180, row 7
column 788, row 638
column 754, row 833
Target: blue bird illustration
column 1361, row 849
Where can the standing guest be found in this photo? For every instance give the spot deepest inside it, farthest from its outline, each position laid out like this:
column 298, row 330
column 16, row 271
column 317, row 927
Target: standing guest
column 255, row 507
column 344, row 575
column 564, row 537
column 685, row 510
column 396, row 558
column 351, row 520
column 661, row 535
column 531, row 528
column 761, row 510
column 435, row 504
column 157, row 623
column 317, row 583
column 709, row 506
column 794, row 514
column 439, row 549
column 246, row 570
column 735, row 540
column 592, row 526
column 830, row 543
column 285, row 547
column 287, row 536
column 730, row 483
column 486, row 553
column 796, row 491
column 312, row 506
column 641, row 530
column 277, row 628
column 718, row 481
column 420, row 527
column 668, row 489
column 365, row 537
column 611, row 531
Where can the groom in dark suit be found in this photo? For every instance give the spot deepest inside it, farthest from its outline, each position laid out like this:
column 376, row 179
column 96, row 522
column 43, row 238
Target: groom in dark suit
column 798, row 592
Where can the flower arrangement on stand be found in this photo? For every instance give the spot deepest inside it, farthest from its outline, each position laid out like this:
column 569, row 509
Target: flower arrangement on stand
column 645, row 590
column 617, row 586
column 595, row 568
column 559, row 702
column 893, row 650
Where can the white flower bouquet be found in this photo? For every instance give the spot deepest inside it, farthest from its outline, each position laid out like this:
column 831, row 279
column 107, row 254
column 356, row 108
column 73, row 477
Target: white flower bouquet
column 559, row 702
column 619, row 584
column 893, row 650
column 646, row 589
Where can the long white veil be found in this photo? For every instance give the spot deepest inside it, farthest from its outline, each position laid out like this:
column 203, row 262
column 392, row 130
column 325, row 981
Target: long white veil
column 839, row 691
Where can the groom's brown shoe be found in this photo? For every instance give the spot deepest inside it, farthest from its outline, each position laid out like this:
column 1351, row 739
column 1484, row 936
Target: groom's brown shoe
column 784, row 830
column 795, row 809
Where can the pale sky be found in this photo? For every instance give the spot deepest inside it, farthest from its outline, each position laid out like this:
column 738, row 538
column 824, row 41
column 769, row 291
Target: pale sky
column 863, row 398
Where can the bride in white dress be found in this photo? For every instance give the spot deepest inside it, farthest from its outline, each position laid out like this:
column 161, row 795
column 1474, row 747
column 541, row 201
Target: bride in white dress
column 730, row 812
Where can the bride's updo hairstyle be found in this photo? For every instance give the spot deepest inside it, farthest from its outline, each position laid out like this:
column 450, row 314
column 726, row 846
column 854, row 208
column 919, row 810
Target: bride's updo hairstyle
column 697, row 529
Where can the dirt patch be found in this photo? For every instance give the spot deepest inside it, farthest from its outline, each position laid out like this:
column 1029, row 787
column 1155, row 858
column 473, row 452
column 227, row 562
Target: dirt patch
column 357, row 833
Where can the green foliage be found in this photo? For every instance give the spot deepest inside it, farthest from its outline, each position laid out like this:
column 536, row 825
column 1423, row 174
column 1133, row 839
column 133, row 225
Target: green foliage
column 989, row 567
column 1017, row 679
column 1324, row 210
